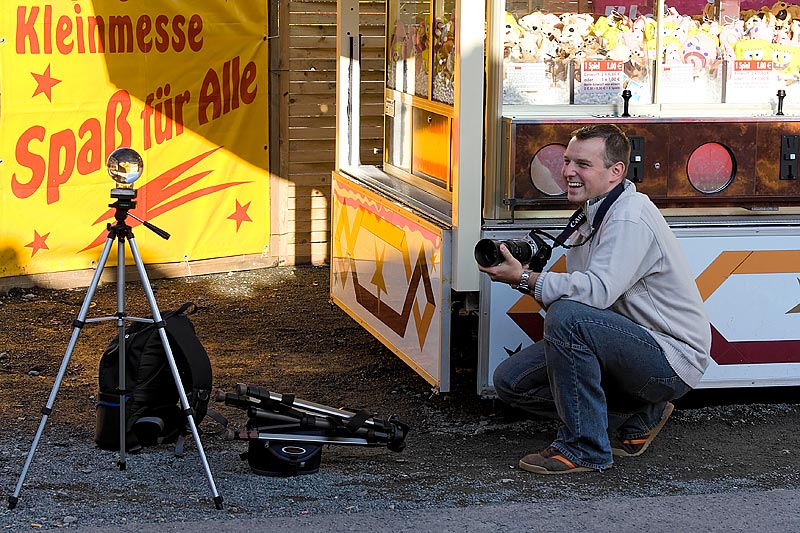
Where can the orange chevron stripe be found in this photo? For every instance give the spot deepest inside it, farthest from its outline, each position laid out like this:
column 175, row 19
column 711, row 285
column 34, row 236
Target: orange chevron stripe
column 529, row 305
column 771, row 262
column 746, row 262
column 718, row 271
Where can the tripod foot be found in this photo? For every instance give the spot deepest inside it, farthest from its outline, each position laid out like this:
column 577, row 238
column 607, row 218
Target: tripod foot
column 218, row 502
column 12, row 502
column 122, row 465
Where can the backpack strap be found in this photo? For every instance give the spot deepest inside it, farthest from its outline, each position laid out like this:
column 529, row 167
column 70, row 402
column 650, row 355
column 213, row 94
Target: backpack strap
column 217, row 417
column 181, row 331
column 182, row 310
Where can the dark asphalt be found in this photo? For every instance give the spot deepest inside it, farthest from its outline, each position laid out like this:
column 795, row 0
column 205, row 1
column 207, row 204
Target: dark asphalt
column 765, row 512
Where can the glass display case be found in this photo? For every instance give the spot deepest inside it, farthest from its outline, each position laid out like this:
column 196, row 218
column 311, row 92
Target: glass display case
column 701, row 52
column 420, row 93
column 707, row 92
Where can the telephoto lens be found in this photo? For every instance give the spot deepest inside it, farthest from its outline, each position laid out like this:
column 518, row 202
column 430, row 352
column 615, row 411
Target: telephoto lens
column 531, row 251
column 487, row 251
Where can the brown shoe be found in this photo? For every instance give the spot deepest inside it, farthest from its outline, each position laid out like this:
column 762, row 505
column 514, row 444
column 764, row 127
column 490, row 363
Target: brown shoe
column 550, row 461
column 636, row 447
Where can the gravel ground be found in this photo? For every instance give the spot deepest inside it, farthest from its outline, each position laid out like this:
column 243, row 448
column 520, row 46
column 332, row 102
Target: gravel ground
column 461, row 452
column 71, row 484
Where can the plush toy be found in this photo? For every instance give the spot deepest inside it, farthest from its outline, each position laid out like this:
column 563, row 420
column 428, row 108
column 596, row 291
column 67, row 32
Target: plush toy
column 444, row 40
column 782, row 36
column 709, row 11
column 513, row 31
column 635, row 42
column 764, row 16
column 787, row 23
column 673, row 50
column 634, row 71
column 730, row 34
column 532, row 22
column 568, row 51
column 530, row 46
column 599, row 27
column 401, row 43
column 746, row 14
column 753, row 49
column 644, row 28
column 511, row 38
column 551, row 26
column 761, row 31
column 591, row 47
column 782, row 17
column 550, row 48
column 621, row 52
column 700, row 51
column 635, row 67
column 711, row 27
column 678, row 27
column 786, row 61
column 607, row 32
column 794, row 31
column 421, row 37
column 575, row 29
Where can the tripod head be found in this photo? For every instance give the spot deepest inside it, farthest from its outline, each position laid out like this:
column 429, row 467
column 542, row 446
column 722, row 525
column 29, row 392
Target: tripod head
column 125, row 166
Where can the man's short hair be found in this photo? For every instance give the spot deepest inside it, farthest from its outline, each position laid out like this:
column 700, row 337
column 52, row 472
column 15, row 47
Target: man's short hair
column 618, row 147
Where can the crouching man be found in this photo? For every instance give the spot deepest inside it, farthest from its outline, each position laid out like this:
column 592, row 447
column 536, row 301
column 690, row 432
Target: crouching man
column 625, row 330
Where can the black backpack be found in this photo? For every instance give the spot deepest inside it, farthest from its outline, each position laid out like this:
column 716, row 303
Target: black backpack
column 152, row 403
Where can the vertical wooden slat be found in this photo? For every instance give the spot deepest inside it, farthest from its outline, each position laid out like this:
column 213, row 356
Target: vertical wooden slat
column 278, row 116
column 302, row 125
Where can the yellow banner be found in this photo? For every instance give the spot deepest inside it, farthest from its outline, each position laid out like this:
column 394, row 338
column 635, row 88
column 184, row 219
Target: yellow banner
column 184, row 83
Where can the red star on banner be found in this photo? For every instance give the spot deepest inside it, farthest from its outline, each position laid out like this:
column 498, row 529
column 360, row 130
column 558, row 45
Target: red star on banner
column 44, row 83
column 38, row 242
column 240, row 215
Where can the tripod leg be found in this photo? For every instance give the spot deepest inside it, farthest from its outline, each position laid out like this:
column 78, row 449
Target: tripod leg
column 159, row 322
column 121, row 461
column 48, row 408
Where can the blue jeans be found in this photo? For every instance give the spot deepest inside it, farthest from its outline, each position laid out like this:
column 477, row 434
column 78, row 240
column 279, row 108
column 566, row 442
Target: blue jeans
column 597, row 371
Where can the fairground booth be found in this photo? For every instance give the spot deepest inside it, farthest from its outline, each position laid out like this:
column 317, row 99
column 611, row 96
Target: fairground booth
column 479, row 102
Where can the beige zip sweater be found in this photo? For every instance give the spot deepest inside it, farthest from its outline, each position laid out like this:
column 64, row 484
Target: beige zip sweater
column 635, row 266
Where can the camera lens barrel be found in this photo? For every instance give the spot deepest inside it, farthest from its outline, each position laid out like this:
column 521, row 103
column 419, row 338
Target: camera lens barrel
column 521, row 250
column 487, row 251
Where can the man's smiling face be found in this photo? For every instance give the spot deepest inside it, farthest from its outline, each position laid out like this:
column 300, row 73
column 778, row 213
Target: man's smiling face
column 585, row 170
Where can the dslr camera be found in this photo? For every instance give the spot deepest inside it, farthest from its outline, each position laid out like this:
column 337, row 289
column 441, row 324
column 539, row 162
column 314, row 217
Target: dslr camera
column 531, row 250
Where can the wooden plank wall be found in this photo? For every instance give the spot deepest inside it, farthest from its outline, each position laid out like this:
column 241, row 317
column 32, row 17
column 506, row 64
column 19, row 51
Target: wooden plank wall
column 303, row 120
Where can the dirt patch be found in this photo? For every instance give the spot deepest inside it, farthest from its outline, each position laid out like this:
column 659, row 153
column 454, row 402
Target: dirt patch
column 276, row 328
column 272, row 327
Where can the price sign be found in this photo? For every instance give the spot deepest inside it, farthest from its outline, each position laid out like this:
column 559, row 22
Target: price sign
column 601, row 82
column 750, row 80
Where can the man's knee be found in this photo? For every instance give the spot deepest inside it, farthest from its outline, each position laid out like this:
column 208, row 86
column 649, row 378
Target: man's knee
column 501, row 381
column 563, row 313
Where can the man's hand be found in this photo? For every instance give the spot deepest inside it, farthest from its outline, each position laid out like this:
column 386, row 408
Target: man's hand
column 509, row 271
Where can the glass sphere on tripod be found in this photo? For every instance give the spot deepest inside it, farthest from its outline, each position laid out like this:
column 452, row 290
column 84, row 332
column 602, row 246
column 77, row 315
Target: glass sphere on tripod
column 125, row 166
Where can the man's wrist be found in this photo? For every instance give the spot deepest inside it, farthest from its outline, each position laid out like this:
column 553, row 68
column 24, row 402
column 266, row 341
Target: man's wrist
column 524, row 282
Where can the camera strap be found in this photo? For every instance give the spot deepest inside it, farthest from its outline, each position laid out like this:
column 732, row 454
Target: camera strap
column 579, row 217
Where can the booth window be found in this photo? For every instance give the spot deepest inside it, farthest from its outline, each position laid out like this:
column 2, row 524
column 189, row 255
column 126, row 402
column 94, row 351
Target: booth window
column 711, row 168
column 546, row 170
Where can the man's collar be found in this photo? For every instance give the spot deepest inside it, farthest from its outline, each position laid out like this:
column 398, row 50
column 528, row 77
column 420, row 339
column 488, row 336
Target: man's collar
column 591, row 201
column 592, row 205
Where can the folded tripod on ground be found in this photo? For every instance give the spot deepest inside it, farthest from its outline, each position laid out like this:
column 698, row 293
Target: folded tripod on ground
column 286, row 434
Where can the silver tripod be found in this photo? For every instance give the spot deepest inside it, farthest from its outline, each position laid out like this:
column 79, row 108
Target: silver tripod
column 125, row 166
